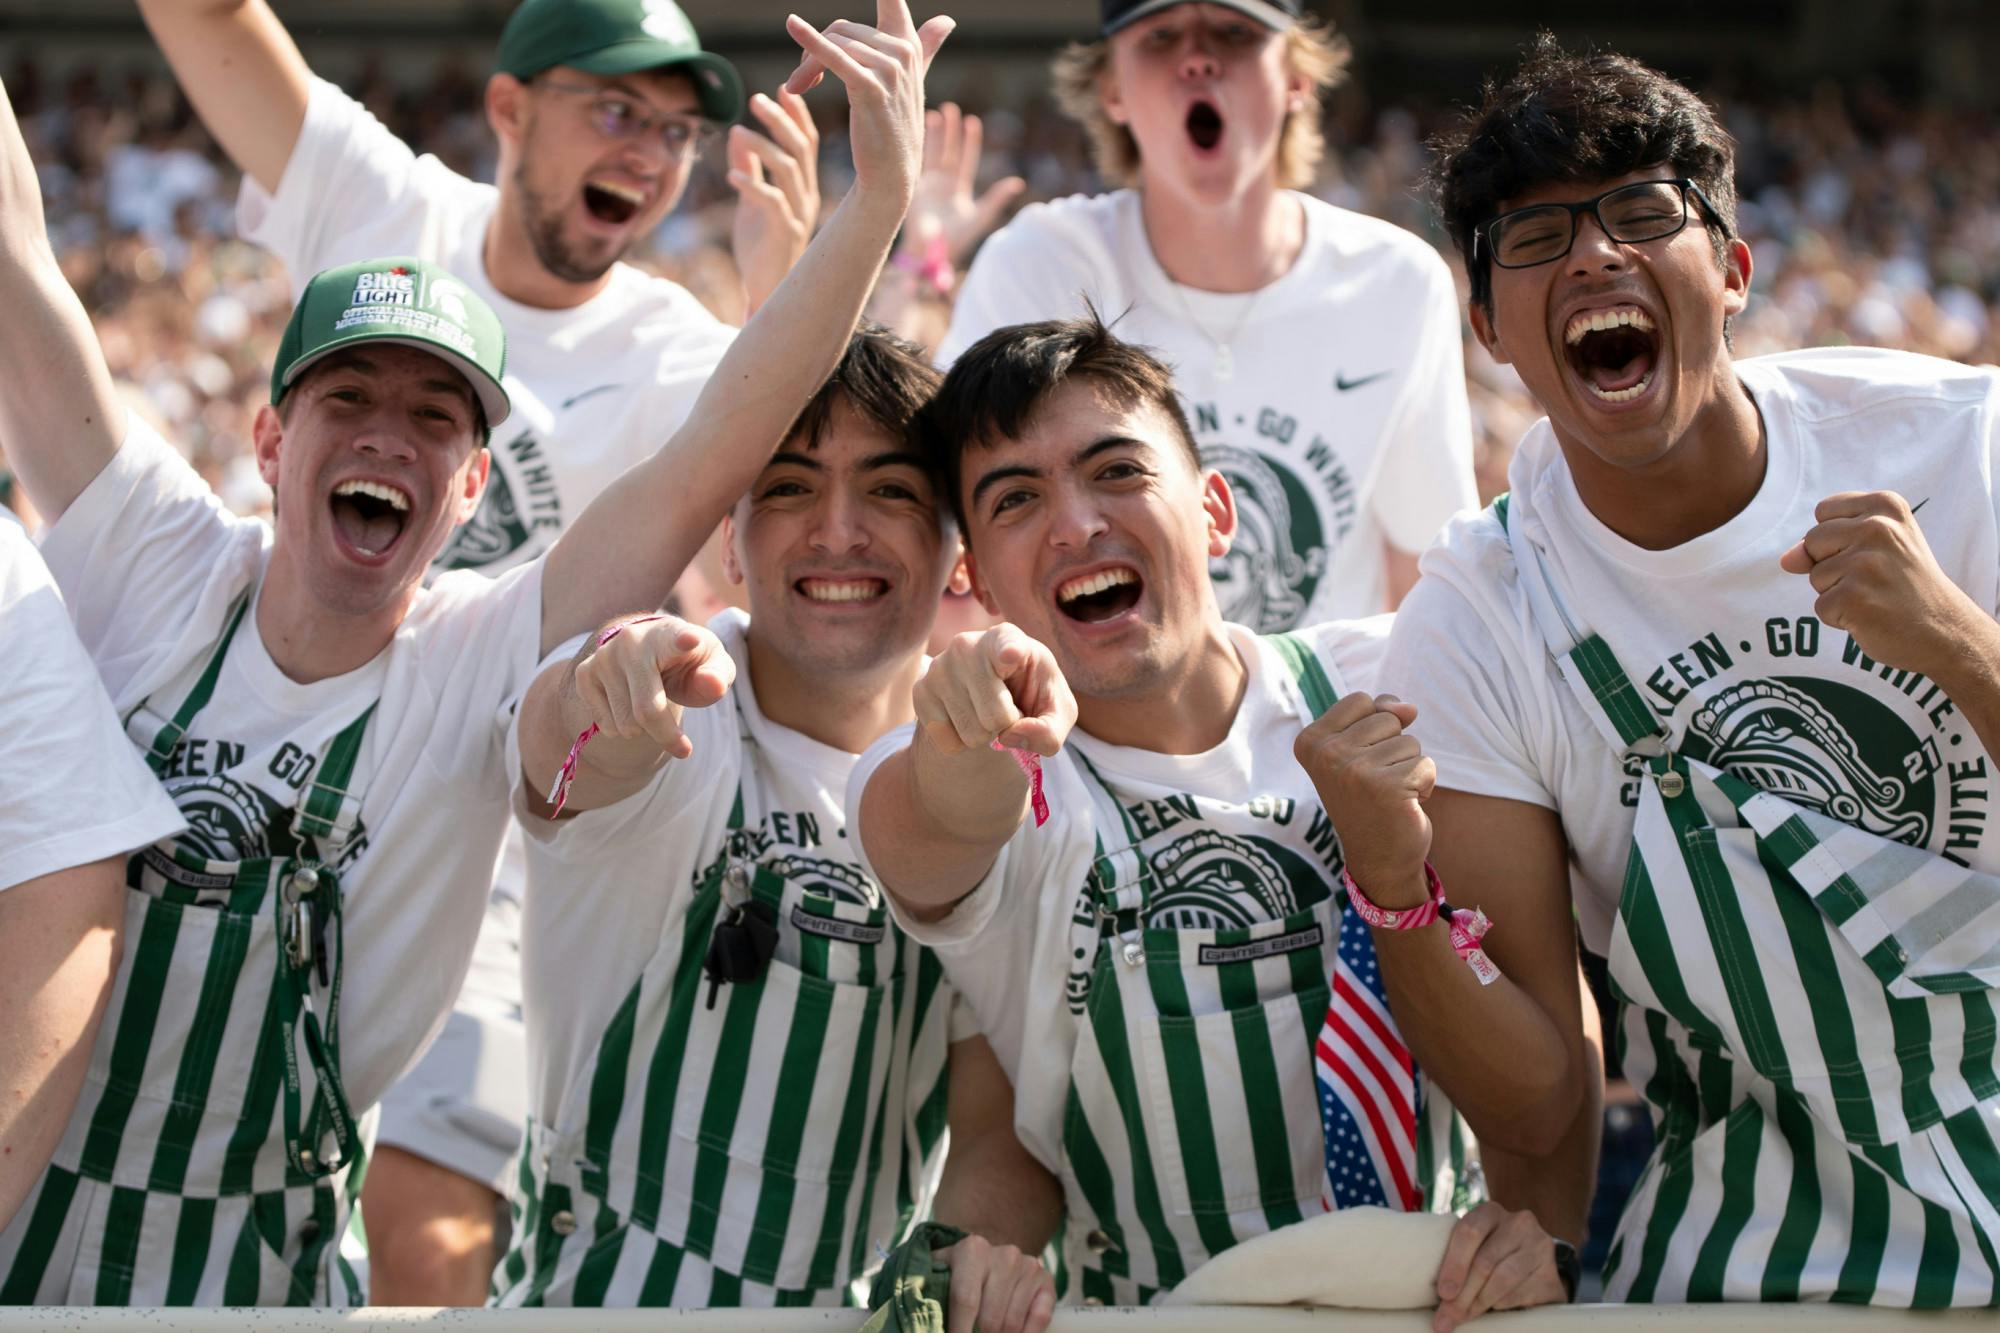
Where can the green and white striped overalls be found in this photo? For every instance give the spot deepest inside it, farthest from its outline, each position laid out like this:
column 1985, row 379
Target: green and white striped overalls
column 1809, row 1009
column 212, row 1158
column 1193, row 1119
column 756, row 1152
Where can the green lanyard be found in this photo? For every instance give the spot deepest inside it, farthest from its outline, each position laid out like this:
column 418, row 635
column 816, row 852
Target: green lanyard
column 307, row 910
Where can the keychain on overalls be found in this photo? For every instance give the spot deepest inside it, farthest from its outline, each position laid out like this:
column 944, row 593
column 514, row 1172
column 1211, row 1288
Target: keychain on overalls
column 307, row 908
column 741, row 945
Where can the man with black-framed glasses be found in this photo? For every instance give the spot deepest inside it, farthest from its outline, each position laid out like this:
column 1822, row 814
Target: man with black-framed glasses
column 1708, row 679
column 613, row 359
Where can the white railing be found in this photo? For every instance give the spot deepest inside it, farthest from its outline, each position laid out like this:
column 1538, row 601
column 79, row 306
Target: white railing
column 1224, row 1319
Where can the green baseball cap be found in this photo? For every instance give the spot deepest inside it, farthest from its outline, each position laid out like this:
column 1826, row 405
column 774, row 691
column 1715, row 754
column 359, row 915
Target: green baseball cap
column 404, row 301
column 618, row 37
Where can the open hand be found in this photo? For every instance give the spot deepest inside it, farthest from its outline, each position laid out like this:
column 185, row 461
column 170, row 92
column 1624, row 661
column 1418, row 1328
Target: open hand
column 776, row 177
column 636, row 683
column 945, row 206
column 1495, row 1260
column 998, row 684
column 883, row 68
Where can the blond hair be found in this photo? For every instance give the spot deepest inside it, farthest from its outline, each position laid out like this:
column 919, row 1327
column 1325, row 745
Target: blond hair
column 1311, row 48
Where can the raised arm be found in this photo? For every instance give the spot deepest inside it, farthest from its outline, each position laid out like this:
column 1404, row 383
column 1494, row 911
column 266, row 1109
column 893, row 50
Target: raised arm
column 631, row 544
column 1511, row 1053
column 935, row 816
column 243, row 74
column 59, row 414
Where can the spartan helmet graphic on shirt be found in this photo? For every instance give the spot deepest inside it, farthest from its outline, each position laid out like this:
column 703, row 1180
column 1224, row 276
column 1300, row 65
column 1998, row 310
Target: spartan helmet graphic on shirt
column 494, row 532
column 829, row 879
column 1784, row 736
column 1275, row 563
column 230, row 820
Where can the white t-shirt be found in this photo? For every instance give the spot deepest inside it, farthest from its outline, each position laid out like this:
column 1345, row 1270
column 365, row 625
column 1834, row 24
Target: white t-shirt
column 72, row 790
column 584, row 912
column 1241, row 813
column 151, row 565
column 616, row 375
column 1716, row 636
column 1344, row 419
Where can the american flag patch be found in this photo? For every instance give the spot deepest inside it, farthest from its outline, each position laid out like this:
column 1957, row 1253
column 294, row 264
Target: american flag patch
column 1367, row 1085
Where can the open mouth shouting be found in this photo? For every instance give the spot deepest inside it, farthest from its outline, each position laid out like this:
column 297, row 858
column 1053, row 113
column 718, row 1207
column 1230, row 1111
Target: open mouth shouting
column 842, row 592
column 369, row 516
column 612, row 202
column 1204, row 126
column 1612, row 351
column 1101, row 595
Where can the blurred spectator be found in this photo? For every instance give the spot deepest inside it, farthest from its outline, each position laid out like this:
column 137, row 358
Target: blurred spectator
column 1872, row 220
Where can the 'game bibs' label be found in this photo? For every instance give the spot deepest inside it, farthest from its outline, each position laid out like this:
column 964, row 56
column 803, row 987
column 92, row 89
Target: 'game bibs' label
column 833, row 928
column 1215, row 955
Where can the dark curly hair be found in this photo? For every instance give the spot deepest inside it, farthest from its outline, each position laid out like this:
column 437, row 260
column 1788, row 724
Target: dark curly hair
column 1575, row 118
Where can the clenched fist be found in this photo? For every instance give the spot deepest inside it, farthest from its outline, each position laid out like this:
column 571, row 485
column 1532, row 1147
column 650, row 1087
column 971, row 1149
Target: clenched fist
column 636, row 682
column 1877, row 579
column 996, row 685
column 1373, row 779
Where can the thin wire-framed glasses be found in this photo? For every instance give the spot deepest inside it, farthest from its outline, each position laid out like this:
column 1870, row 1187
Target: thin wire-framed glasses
column 1645, row 211
column 620, row 118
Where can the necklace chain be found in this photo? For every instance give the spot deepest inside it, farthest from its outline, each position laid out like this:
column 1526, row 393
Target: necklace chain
column 1225, row 357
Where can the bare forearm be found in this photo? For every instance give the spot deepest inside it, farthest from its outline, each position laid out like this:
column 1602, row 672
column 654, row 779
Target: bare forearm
column 1557, row 1187
column 993, row 1187
column 1491, row 1048
column 935, row 822
column 1970, row 677
column 59, row 938
column 630, row 546
column 242, row 73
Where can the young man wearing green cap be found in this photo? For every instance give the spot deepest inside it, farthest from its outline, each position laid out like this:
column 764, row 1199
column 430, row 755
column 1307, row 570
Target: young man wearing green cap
column 1318, row 348
column 600, row 108
column 332, row 728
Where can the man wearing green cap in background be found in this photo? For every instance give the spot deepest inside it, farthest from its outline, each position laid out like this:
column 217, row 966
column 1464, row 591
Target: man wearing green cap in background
column 331, row 728
column 600, row 108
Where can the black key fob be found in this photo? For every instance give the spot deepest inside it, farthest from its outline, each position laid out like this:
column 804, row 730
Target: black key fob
column 741, row 946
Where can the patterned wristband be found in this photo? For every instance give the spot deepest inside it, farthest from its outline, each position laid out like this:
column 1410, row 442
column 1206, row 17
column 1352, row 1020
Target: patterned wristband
column 559, row 791
column 1468, row 927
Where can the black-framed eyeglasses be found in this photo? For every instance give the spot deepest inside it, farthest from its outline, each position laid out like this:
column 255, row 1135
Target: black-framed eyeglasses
column 1645, row 211
column 620, row 118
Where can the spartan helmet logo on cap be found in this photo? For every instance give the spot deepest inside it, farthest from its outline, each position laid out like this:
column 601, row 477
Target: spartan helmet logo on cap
column 447, row 297
column 1782, row 739
column 1278, row 556
column 665, row 21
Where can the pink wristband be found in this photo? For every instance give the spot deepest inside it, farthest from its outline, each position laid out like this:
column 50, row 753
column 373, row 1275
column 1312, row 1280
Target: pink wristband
column 1030, row 765
column 559, row 792
column 1468, row 926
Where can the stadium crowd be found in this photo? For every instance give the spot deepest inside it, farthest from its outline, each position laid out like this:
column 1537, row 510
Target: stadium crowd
column 1875, row 220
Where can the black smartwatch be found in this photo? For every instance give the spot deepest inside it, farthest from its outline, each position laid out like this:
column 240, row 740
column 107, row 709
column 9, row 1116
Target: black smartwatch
column 1568, row 1267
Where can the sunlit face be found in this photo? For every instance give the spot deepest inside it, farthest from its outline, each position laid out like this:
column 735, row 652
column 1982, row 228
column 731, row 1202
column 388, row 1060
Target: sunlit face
column 373, row 462
column 842, row 550
column 1093, row 534
column 1204, row 91
column 1629, row 391
column 586, row 194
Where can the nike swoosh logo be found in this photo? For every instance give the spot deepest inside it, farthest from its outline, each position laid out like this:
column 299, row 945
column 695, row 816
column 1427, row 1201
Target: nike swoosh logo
column 1342, row 383
column 574, row 399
